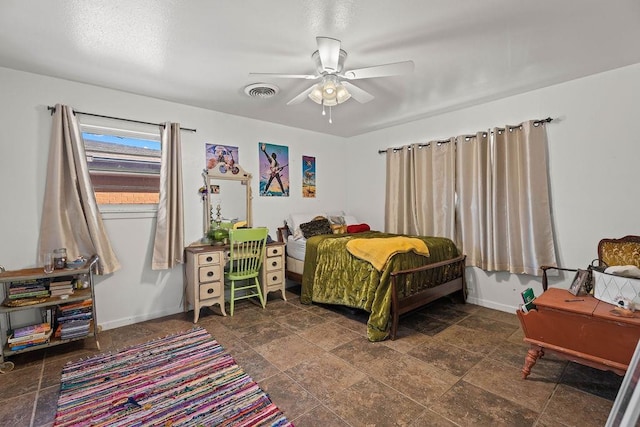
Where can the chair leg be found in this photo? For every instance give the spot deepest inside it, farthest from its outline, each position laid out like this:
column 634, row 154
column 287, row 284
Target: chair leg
column 232, row 296
column 259, row 292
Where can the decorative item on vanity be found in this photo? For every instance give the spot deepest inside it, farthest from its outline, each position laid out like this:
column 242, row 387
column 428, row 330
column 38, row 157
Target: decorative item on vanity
column 218, row 235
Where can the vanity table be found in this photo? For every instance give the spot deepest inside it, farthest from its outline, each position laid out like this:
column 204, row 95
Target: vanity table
column 205, row 263
column 204, row 275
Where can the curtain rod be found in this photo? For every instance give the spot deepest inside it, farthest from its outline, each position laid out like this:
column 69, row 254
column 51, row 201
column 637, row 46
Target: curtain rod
column 53, row 110
column 446, row 141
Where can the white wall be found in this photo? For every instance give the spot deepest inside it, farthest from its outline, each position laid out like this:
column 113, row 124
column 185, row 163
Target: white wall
column 594, row 153
column 135, row 292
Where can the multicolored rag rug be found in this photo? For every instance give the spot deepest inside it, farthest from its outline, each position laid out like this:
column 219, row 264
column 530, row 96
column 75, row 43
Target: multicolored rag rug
column 184, row 379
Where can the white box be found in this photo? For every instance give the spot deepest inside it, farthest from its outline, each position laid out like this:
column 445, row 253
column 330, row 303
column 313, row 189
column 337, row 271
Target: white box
column 616, row 290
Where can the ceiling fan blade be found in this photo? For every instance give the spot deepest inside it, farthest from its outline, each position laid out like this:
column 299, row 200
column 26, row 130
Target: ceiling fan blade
column 386, row 70
column 285, row 76
column 329, row 51
column 358, row 94
column 301, row 97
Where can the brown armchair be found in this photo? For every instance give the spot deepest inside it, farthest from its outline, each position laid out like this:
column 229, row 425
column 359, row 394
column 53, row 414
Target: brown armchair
column 623, row 251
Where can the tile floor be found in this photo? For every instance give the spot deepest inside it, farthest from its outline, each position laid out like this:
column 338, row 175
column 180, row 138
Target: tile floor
column 453, row 365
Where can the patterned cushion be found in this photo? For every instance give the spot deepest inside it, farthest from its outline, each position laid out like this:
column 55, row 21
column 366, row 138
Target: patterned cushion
column 621, row 253
column 316, row 227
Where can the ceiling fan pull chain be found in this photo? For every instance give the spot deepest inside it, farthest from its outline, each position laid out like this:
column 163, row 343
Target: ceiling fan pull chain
column 323, row 113
column 330, row 120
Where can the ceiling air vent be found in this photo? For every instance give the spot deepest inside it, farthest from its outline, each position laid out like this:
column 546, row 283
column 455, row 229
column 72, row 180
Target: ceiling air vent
column 261, row 90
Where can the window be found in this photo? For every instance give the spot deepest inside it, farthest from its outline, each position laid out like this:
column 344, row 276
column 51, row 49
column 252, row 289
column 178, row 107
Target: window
column 124, row 165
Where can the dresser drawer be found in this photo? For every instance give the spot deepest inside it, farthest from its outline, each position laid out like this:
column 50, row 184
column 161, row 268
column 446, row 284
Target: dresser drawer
column 209, row 258
column 273, row 278
column 210, row 273
column 275, row 250
column 274, row 263
column 210, row 290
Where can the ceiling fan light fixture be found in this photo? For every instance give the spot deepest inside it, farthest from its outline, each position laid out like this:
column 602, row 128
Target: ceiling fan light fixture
column 330, row 102
column 329, row 92
column 342, row 94
column 329, row 87
column 316, row 94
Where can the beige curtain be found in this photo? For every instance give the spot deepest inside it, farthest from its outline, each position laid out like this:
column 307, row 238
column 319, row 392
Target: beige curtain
column 399, row 204
column 70, row 215
column 503, row 195
column 168, row 247
column 421, row 189
column 474, row 228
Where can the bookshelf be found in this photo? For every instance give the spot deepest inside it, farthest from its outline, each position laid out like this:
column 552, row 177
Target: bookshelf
column 46, row 305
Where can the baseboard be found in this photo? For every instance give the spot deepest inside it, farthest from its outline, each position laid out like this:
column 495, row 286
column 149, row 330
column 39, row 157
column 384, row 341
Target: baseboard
column 491, row 304
column 112, row 324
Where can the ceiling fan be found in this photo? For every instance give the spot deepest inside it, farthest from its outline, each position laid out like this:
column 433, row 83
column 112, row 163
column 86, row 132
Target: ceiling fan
column 335, row 85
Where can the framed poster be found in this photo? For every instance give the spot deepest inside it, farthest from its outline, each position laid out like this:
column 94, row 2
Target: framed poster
column 274, row 169
column 308, row 176
column 223, row 157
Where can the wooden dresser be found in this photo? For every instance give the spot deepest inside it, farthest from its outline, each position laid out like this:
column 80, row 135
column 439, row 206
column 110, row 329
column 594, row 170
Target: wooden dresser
column 582, row 329
column 204, row 275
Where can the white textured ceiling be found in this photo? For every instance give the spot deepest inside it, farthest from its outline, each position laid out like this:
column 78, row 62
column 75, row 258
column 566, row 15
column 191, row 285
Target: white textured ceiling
column 200, row 52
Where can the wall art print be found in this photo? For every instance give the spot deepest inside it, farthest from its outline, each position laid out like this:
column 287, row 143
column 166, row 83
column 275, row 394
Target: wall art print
column 274, row 169
column 223, row 157
column 308, row 176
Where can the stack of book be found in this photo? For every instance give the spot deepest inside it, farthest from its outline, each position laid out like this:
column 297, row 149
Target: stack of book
column 61, row 288
column 74, row 320
column 29, row 336
column 28, row 289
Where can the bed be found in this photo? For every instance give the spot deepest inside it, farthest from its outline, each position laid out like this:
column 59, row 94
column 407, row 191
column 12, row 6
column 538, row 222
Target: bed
column 330, row 274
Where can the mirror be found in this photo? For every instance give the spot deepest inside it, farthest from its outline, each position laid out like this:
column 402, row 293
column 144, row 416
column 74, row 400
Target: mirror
column 229, row 195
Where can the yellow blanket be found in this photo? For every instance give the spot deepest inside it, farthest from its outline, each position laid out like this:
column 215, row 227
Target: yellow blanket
column 378, row 251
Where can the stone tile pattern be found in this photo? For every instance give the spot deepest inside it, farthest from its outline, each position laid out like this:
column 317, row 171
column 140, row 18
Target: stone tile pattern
column 453, row 365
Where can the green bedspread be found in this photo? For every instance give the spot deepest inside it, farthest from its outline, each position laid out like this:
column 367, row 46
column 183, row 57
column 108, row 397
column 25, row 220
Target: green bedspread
column 333, row 276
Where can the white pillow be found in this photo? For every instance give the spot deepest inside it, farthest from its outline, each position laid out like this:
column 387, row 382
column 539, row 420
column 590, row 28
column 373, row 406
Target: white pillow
column 342, row 219
column 350, row 220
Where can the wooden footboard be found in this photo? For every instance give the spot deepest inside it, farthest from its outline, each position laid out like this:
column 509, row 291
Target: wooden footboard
column 409, row 293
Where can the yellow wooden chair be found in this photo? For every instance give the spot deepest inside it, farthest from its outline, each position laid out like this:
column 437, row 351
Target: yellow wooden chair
column 247, row 247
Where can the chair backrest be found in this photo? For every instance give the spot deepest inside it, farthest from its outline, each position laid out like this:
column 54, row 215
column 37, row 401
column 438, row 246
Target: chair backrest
column 623, row 251
column 247, row 246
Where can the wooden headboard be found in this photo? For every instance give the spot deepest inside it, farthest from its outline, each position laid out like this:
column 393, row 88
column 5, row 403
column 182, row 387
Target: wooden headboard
column 622, row 251
column 283, row 233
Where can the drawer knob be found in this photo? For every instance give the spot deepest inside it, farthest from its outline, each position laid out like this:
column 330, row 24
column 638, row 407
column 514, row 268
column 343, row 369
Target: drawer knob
column 274, row 278
column 210, row 273
column 274, row 263
column 209, row 291
column 209, row 258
